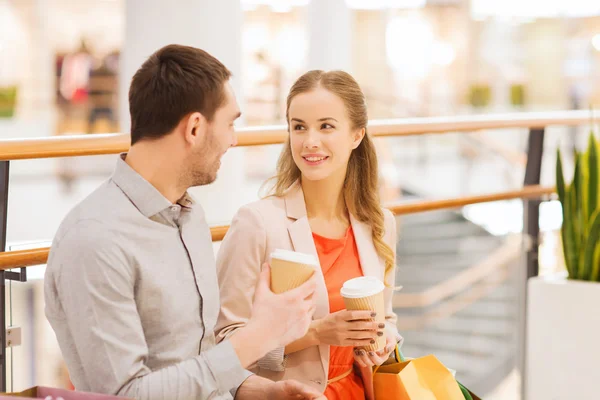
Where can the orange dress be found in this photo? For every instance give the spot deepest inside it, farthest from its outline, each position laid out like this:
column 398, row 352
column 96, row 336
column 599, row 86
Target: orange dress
column 340, row 262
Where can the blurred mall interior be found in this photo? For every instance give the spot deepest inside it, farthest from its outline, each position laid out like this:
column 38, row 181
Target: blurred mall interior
column 65, row 67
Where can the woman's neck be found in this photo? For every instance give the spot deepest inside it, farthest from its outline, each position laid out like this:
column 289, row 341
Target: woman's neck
column 325, row 199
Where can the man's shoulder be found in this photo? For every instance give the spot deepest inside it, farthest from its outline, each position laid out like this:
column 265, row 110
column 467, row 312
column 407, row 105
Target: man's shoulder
column 91, row 234
column 93, row 216
column 87, row 245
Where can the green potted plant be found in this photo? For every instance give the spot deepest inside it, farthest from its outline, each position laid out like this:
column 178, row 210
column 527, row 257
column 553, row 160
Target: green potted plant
column 581, row 214
column 480, row 95
column 562, row 324
column 8, row 101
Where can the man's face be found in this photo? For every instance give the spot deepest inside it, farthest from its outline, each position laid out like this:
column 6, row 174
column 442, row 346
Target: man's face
column 220, row 136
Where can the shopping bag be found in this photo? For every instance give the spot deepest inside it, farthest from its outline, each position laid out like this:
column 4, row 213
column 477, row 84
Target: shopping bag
column 424, row 378
column 42, row 392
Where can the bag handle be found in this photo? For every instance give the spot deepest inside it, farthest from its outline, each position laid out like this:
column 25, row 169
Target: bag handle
column 397, row 355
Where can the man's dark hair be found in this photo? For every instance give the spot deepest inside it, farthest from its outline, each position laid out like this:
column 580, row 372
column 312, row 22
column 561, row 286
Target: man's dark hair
column 174, row 82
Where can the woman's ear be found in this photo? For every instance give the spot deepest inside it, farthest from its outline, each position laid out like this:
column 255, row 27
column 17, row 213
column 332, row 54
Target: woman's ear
column 359, row 134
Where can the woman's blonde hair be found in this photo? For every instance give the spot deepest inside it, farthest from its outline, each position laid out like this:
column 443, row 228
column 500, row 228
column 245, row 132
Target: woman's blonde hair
column 361, row 186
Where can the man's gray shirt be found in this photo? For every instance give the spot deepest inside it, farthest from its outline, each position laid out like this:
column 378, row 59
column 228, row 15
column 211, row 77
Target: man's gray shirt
column 131, row 292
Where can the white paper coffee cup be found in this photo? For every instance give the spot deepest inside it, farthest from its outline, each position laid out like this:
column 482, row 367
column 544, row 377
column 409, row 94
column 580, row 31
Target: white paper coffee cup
column 365, row 293
column 290, row 269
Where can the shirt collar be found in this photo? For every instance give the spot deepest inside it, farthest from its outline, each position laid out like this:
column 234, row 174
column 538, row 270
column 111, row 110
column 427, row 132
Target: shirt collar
column 142, row 194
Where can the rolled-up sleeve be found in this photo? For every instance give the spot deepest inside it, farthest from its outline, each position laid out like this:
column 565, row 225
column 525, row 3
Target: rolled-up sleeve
column 91, row 306
column 273, row 360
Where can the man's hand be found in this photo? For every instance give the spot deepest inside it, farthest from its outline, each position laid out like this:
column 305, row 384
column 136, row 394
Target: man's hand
column 277, row 319
column 289, row 389
column 256, row 387
column 284, row 317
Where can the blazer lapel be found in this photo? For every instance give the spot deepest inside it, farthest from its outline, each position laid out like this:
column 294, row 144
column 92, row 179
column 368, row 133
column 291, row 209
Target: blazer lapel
column 302, row 241
column 370, row 261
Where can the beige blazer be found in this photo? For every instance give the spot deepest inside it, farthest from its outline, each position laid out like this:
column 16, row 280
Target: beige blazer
column 281, row 223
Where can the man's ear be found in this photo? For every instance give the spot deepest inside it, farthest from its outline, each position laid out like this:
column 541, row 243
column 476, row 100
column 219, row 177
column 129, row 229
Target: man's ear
column 195, row 127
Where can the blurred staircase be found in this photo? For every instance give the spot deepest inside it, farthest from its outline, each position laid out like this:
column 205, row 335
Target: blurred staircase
column 472, row 331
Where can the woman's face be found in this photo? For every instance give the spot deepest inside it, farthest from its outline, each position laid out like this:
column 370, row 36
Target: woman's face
column 321, row 134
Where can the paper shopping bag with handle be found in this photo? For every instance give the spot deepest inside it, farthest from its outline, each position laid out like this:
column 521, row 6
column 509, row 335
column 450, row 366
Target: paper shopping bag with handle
column 424, row 378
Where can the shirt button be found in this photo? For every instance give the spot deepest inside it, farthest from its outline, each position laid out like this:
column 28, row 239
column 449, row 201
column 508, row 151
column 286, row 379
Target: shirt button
column 174, row 208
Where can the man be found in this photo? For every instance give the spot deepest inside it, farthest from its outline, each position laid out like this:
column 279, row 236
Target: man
column 131, row 288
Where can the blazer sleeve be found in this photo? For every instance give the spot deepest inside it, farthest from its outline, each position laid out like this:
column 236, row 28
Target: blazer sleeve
column 390, row 238
column 239, row 261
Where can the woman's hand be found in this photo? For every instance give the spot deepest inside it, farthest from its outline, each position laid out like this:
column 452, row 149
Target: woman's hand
column 366, row 358
column 348, row 329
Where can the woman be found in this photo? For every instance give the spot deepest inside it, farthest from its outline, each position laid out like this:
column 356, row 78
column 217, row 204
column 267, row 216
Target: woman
column 324, row 203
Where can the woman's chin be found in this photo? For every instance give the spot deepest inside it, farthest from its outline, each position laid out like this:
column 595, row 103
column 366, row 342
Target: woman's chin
column 314, row 176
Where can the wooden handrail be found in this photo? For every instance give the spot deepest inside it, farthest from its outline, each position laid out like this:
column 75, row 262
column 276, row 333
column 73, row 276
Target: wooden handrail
column 23, row 258
column 218, row 232
column 27, row 258
column 527, row 192
column 85, row 145
column 63, row 146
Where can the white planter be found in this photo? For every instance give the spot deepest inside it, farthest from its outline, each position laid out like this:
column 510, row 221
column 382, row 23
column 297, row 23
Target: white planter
column 563, row 339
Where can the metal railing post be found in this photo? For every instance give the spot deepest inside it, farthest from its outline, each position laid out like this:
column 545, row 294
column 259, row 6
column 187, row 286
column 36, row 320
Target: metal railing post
column 4, row 175
column 531, row 226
